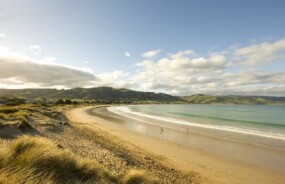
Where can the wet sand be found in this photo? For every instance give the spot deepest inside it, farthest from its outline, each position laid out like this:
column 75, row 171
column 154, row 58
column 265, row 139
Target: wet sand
column 201, row 154
column 253, row 150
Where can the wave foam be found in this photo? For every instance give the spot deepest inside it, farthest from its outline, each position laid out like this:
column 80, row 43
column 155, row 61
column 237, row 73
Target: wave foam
column 121, row 110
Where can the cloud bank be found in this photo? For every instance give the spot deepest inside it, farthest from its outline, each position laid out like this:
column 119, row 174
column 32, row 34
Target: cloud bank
column 22, row 74
column 18, row 70
column 244, row 70
column 239, row 70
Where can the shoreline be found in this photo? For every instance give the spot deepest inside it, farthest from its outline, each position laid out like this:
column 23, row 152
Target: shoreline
column 206, row 131
column 212, row 167
column 269, row 158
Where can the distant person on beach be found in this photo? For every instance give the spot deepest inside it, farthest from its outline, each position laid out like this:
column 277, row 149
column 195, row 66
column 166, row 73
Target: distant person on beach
column 187, row 131
column 161, row 130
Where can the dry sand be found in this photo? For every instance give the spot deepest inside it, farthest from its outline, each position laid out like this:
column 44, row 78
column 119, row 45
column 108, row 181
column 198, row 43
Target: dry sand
column 211, row 168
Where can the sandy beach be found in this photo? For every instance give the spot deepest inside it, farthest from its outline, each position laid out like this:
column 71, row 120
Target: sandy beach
column 210, row 166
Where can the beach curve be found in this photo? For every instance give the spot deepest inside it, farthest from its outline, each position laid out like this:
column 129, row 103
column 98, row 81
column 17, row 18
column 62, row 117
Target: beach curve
column 212, row 168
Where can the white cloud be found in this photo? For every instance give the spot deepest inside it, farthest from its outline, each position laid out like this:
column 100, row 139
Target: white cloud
column 262, row 53
column 7, row 53
column 111, row 76
column 127, row 54
column 187, row 73
column 35, row 49
column 20, row 71
column 2, row 35
column 185, row 64
column 181, row 73
column 85, row 62
column 17, row 70
column 150, row 54
column 48, row 60
column 182, row 54
column 251, row 77
column 114, row 79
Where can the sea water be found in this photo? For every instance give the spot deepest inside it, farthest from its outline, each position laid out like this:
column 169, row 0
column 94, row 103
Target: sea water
column 256, row 124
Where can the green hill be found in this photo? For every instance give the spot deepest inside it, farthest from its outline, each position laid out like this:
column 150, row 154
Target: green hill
column 100, row 93
column 126, row 95
column 233, row 99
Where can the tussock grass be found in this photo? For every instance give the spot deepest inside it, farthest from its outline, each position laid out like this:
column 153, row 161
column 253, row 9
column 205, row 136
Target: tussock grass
column 26, row 176
column 38, row 160
column 138, row 177
column 29, row 119
column 32, row 159
column 18, row 112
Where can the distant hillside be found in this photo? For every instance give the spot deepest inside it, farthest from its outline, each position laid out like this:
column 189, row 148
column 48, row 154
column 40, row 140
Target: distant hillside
column 126, row 95
column 100, row 93
column 232, row 99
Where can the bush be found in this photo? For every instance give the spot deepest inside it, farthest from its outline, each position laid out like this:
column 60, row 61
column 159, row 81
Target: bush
column 67, row 101
column 75, row 103
column 59, row 102
column 14, row 100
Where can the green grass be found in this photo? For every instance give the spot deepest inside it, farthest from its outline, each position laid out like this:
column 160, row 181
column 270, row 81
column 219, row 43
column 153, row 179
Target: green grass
column 208, row 99
column 38, row 160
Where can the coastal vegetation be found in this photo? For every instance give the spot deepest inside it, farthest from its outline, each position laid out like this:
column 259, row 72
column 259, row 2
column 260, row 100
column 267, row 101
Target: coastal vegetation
column 38, row 144
column 22, row 119
column 32, row 159
column 108, row 95
column 39, row 160
column 100, row 94
column 232, row 99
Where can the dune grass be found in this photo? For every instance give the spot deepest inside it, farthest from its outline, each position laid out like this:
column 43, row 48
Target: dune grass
column 23, row 111
column 27, row 118
column 138, row 177
column 41, row 158
column 34, row 159
column 38, row 160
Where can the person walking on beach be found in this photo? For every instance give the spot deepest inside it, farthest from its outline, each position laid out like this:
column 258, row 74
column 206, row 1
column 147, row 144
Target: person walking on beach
column 161, row 130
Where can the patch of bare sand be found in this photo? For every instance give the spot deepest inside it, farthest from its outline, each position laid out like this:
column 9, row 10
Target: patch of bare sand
column 213, row 169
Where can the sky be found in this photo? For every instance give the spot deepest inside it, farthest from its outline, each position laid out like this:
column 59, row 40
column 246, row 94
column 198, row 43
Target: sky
column 182, row 47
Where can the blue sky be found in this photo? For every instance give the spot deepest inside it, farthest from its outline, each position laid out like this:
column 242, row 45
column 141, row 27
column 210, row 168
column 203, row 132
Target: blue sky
column 107, row 39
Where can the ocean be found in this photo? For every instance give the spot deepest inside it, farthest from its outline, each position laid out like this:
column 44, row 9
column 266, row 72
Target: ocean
column 256, row 124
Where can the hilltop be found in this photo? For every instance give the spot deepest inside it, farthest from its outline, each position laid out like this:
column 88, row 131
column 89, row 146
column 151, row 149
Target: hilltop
column 233, row 99
column 113, row 95
column 99, row 93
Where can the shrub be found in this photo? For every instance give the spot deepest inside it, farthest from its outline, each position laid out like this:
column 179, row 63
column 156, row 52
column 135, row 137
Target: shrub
column 14, row 100
column 59, row 102
column 67, row 101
